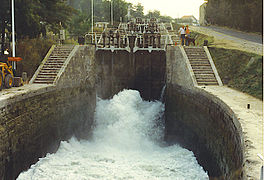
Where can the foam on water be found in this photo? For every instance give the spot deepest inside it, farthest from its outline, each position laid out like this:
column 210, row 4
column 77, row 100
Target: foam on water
column 126, row 144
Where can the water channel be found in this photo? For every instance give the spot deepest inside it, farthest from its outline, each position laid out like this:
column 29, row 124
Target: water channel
column 127, row 143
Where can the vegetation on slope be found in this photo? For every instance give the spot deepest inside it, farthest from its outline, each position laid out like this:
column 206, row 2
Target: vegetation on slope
column 240, row 70
column 32, row 51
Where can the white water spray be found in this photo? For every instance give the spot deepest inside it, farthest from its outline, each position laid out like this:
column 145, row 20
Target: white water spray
column 126, row 144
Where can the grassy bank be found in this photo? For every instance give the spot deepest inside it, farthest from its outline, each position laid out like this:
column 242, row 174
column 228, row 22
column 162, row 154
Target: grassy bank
column 240, row 70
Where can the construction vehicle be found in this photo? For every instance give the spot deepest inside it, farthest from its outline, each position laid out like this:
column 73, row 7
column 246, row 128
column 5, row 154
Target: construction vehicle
column 6, row 73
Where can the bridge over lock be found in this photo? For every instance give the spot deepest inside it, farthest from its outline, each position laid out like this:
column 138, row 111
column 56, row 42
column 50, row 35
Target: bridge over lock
column 140, row 55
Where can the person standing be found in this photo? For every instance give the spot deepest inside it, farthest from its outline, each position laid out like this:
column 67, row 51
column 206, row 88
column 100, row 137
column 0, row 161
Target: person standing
column 182, row 35
column 187, row 35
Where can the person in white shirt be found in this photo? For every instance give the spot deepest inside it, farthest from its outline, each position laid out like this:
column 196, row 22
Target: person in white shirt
column 182, row 35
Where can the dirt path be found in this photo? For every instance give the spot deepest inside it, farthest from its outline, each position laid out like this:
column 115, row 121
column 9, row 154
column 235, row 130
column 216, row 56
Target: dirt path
column 231, row 39
column 251, row 121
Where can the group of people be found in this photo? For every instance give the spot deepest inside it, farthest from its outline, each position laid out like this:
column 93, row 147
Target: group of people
column 184, row 35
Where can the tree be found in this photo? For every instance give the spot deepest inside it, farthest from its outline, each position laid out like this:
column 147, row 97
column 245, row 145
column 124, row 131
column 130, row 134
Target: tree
column 32, row 16
column 137, row 11
column 153, row 14
column 244, row 15
column 4, row 22
column 80, row 24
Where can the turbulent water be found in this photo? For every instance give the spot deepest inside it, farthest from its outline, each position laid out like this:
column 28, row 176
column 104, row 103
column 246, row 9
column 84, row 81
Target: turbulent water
column 126, row 144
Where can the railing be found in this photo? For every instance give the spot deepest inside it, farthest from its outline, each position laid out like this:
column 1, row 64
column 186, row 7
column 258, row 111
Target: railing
column 133, row 37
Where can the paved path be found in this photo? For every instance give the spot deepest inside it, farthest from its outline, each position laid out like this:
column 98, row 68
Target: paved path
column 232, row 39
column 238, row 34
column 251, row 121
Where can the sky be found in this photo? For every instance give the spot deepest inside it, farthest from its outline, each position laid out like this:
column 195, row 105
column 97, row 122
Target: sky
column 173, row 8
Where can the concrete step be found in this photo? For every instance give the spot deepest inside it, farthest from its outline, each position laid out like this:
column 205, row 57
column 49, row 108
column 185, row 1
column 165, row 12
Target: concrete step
column 207, row 76
column 61, row 52
column 54, row 64
column 207, row 83
column 205, row 80
column 50, row 69
column 199, row 62
column 202, row 71
column 51, row 66
column 58, row 57
column 44, row 77
column 201, row 67
column 47, row 74
column 43, row 82
column 199, row 59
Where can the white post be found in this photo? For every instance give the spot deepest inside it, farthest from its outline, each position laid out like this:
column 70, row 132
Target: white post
column 111, row 12
column 13, row 34
column 92, row 10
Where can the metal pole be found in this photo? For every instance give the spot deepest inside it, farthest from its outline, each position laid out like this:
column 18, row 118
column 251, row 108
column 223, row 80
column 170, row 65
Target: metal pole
column 92, row 10
column 129, row 13
column 111, row 12
column 13, row 34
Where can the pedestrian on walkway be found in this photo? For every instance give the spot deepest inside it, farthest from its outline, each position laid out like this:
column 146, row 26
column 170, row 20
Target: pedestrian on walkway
column 187, row 31
column 182, row 34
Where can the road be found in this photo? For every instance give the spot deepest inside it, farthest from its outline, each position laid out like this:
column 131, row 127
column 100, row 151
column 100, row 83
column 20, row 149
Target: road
column 238, row 34
column 232, row 39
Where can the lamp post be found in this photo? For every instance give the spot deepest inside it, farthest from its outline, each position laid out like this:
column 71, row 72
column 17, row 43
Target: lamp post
column 111, row 11
column 92, row 14
column 13, row 35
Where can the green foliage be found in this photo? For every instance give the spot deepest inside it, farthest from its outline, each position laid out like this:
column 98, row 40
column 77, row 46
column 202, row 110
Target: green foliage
column 240, row 70
column 137, row 11
column 240, row 14
column 33, row 17
column 32, row 52
column 153, row 14
column 80, row 24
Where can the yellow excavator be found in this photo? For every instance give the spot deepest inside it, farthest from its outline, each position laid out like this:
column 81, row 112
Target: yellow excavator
column 6, row 73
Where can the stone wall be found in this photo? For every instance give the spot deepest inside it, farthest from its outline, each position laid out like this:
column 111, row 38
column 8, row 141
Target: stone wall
column 178, row 71
column 204, row 124
column 34, row 122
column 141, row 70
column 202, row 19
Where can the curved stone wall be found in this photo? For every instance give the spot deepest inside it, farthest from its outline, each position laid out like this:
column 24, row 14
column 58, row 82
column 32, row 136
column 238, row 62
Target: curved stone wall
column 204, row 124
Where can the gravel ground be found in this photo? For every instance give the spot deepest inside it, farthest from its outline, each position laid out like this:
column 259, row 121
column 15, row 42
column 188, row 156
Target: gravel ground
column 226, row 38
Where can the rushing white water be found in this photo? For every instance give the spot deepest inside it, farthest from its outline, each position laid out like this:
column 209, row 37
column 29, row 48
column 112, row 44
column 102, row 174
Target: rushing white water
column 126, row 144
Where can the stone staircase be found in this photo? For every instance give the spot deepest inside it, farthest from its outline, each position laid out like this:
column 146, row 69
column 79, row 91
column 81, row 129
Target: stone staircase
column 201, row 66
column 49, row 71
